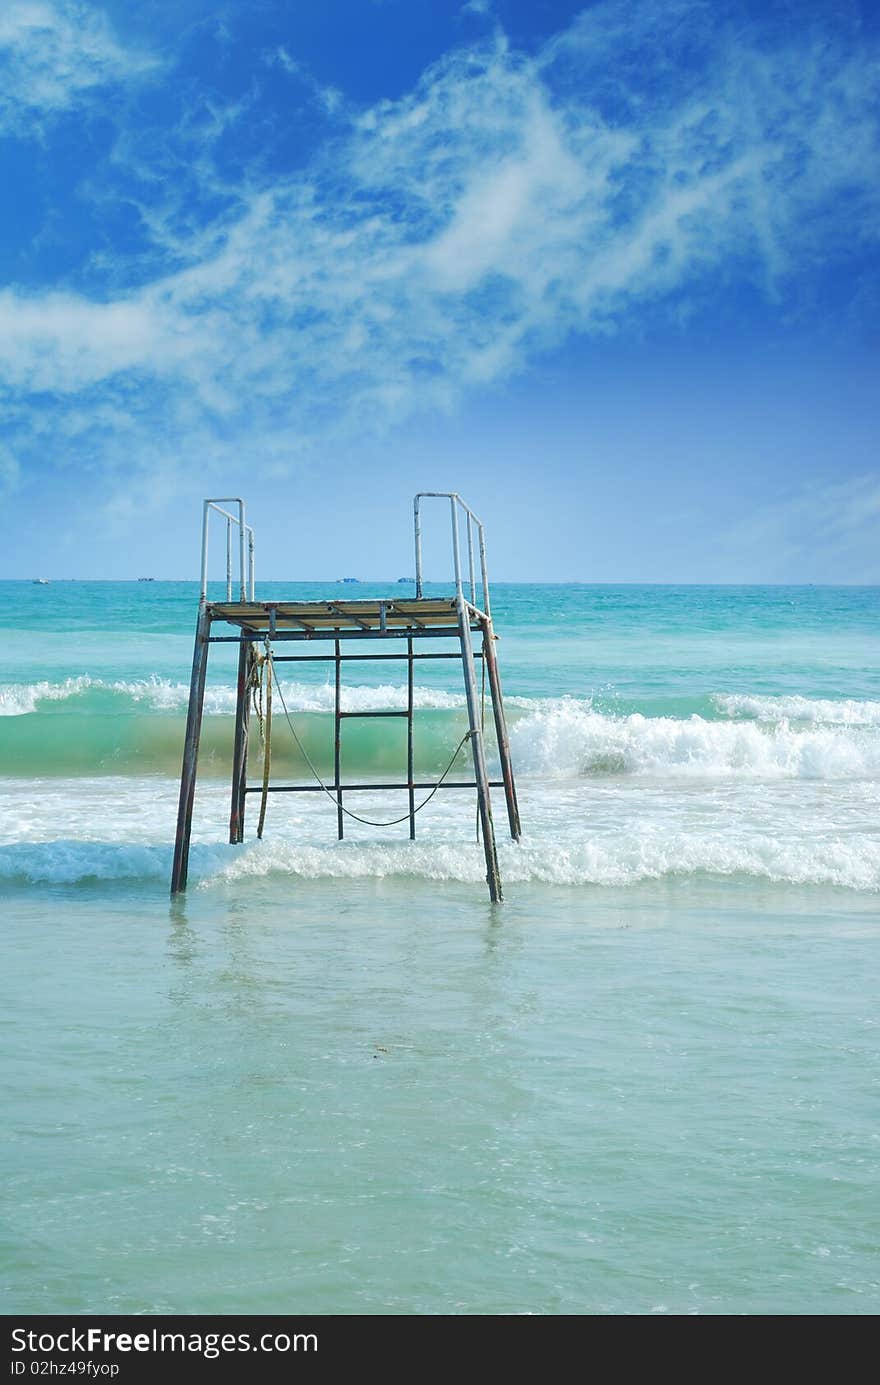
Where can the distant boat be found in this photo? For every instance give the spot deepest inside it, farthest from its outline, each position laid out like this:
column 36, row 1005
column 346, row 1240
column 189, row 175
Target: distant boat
column 41, row 581
column 146, row 579
column 405, row 579
column 351, row 579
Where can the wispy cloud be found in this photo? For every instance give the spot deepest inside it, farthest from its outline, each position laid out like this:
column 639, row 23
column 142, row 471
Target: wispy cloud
column 10, row 472
column 53, row 53
column 825, row 527
column 439, row 241
column 327, row 96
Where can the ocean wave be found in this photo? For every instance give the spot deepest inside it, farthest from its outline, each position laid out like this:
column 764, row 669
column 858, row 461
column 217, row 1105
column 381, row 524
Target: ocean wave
column 76, row 862
column 570, row 738
column 84, row 725
column 820, row 711
column 599, row 862
column 166, row 695
column 640, row 856
column 162, row 695
column 19, row 699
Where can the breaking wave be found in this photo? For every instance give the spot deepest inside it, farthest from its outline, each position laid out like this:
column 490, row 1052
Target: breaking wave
column 570, row 738
column 86, row 726
column 162, row 695
column 642, row 855
column 821, row 711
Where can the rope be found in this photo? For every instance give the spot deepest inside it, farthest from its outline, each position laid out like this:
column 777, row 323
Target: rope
column 267, row 746
column 368, row 822
column 256, row 691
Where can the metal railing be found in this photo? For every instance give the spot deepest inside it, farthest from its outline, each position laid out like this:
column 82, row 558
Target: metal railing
column 245, row 547
column 471, row 523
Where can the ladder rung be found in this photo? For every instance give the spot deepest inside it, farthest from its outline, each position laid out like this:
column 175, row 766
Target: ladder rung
column 372, row 714
column 356, row 788
column 359, row 658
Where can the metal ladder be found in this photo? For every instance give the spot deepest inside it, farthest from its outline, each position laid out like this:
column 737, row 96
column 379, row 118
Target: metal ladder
column 340, row 716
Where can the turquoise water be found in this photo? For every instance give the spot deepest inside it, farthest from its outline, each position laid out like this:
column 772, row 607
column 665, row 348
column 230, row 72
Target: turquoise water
column 334, row 1079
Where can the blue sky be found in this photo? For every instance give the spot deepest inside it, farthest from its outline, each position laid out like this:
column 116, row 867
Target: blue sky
column 610, row 270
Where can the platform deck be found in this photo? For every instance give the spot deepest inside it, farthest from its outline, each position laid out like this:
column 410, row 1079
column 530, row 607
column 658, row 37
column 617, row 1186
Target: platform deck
column 404, row 617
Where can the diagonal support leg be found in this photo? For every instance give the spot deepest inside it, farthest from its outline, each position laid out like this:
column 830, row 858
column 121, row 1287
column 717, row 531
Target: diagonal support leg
column 191, row 752
column 493, row 875
column 240, row 745
column 337, row 746
column 409, row 739
column 491, row 665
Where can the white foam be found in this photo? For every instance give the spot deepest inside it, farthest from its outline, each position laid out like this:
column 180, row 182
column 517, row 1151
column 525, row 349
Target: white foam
column 760, row 737
column 792, row 707
column 305, row 697
column 17, row 699
column 569, row 738
column 163, row 695
column 580, row 833
column 643, row 856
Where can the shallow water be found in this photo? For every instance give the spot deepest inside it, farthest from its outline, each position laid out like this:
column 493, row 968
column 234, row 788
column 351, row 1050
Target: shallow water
column 358, row 1099
column 334, row 1079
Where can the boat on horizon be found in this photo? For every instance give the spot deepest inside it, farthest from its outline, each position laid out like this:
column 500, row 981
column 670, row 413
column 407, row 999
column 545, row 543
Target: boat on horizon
column 41, row 581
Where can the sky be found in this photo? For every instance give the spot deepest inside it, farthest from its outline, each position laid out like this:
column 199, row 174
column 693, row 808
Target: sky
column 609, row 270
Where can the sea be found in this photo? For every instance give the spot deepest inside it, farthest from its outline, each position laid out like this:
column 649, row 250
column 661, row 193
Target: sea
column 333, row 1078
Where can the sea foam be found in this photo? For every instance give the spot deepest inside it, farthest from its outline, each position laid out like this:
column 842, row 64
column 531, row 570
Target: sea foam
column 163, row 695
column 821, row 711
column 617, row 862
column 570, row 738
column 750, row 736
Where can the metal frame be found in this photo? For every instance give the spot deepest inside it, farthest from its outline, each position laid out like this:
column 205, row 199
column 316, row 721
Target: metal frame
column 471, row 521
column 465, row 619
column 245, row 540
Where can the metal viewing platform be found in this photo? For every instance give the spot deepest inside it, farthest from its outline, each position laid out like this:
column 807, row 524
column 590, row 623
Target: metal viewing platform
column 261, row 627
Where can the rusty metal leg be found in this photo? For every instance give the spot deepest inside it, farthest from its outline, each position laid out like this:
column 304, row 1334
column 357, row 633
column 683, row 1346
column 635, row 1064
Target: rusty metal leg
column 337, row 745
column 490, row 663
column 493, row 875
column 240, row 745
column 191, row 752
column 409, row 740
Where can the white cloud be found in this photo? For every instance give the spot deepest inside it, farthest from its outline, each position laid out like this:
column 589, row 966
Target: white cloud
column 53, row 53
column 62, row 342
column 10, row 471
column 330, row 98
column 824, row 527
column 438, row 241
